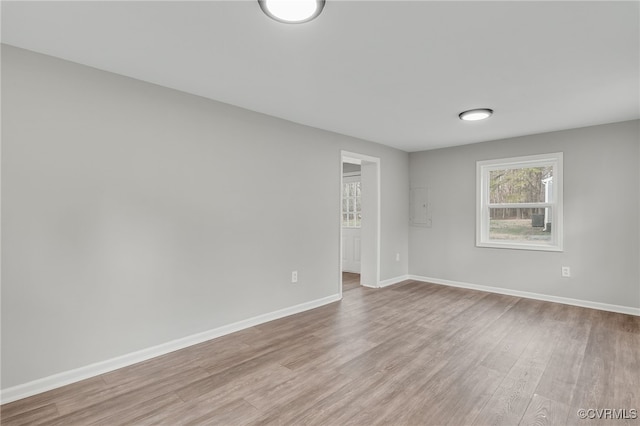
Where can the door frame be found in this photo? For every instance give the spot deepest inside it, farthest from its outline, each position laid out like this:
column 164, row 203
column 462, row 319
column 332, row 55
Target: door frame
column 357, row 158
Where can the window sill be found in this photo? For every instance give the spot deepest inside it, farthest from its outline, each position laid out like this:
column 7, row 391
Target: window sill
column 516, row 246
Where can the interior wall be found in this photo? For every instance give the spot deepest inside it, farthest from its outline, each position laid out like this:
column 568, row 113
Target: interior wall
column 601, row 217
column 369, row 228
column 133, row 215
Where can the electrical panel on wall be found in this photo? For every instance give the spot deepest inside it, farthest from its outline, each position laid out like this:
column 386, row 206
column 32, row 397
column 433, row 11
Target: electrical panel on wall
column 420, row 210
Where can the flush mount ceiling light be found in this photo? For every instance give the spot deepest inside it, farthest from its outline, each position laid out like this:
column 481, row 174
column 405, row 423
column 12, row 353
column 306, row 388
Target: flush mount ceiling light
column 476, row 114
column 292, row 11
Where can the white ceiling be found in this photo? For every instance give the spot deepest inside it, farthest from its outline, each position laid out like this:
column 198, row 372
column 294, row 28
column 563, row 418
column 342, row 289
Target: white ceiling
column 392, row 72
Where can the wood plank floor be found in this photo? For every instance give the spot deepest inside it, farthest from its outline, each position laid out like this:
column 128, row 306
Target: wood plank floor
column 350, row 281
column 409, row 354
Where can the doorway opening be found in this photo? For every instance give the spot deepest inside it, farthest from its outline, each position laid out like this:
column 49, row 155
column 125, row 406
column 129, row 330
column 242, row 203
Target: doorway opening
column 359, row 221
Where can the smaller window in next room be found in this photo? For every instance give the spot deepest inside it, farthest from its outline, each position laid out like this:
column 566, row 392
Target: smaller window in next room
column 351, row 203
column 519, row 203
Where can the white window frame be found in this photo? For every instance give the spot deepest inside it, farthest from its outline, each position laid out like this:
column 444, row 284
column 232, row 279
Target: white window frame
column 352, row 178
column 483, row 169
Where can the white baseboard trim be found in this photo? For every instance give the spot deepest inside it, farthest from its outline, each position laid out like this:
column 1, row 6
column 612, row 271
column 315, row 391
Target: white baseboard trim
column 67, row 377
column 528, row 295
column 392, row 281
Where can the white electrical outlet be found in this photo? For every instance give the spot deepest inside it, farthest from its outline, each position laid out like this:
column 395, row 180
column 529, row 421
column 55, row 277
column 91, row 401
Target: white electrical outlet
column 566, row 272
column 294, row 276
column 397, row 257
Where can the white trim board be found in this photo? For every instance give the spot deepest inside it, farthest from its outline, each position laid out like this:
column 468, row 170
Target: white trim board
column 67, row 377
column 392, row 281
column 528, row 295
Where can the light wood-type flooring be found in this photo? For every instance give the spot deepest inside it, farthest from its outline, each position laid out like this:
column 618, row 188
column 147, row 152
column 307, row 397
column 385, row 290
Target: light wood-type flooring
column 350, row 281
column 409, row 354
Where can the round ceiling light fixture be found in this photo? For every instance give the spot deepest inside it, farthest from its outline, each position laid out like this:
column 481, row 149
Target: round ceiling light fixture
column 292, row 11
column 475, row 114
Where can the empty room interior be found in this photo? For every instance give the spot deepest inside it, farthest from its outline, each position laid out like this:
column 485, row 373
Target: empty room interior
column 320, row 212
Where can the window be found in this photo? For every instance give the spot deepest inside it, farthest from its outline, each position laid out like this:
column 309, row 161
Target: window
column 351, row 203
column 519, row 203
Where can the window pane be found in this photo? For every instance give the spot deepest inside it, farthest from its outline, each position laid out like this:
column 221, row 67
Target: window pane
column 351, row 205
column 535, row 180
column 526, row 185
column 520, row 225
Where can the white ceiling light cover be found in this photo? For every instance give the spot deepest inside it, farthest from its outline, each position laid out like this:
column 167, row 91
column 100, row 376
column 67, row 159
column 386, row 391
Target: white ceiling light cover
column 292, row 11
column 476, row 114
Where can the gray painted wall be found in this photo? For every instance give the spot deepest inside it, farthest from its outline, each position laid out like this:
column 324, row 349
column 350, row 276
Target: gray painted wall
column 601, row 217
column 133, row 214
column 125, row 222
